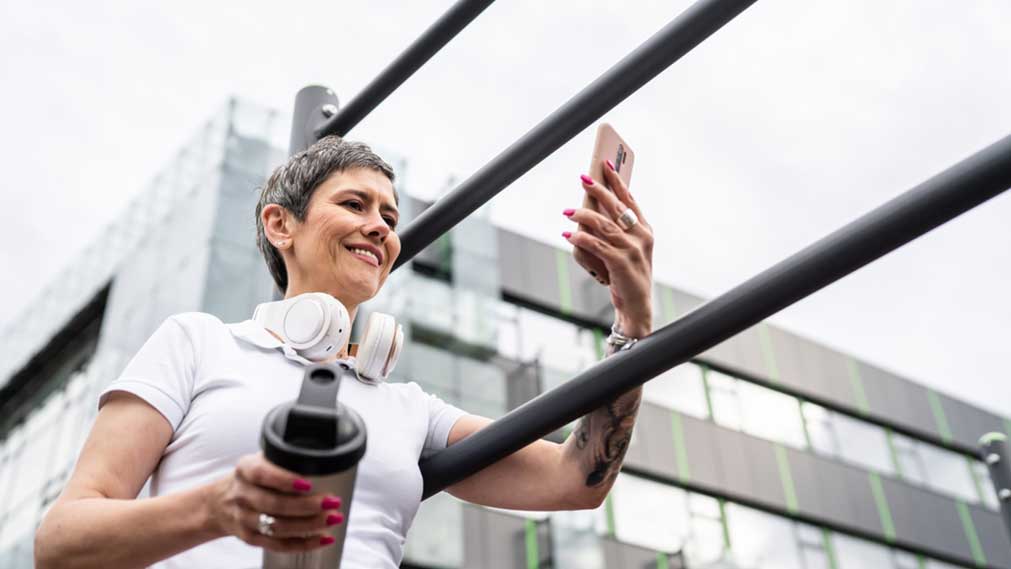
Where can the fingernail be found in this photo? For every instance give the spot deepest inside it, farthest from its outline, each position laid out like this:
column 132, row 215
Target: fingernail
column 566, row 234
column 302, row 485
column 568, row 212
column 331, row 503
column 610, row 165
column 586, row 179
column 326, row 540
column 334, row 519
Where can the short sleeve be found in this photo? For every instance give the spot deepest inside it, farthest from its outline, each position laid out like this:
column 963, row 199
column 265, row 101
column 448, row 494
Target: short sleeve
column 441, row 418
column 161, row 373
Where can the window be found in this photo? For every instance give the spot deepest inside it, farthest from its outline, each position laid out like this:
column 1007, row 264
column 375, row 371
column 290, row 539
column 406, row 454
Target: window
column 948, row 472
column 679, row 388
column 555, row 343
column 853, row 553
column 911, row 465
column 863, row 443
column 756, row 410
column 760, row 540
column 836, row 435
column 638, row 505
column 985, row 485
column 813, row 542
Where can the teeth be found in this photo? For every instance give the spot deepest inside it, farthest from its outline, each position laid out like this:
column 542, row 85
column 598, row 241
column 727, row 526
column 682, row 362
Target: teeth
column 365, row 252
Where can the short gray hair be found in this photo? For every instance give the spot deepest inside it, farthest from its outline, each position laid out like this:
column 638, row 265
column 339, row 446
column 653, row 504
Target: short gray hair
column 292, row 184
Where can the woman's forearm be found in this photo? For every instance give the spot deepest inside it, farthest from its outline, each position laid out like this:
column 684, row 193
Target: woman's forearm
column 121, row 534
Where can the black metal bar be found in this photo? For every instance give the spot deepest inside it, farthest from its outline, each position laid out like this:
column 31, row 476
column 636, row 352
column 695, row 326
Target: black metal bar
column 688, row 30
column 428, row 44
column 913, row 213
column 313, row 104
column 995, row 454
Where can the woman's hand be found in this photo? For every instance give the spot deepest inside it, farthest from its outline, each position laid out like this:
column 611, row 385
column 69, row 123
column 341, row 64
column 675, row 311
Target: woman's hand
column 257, row 486
column 627, row 255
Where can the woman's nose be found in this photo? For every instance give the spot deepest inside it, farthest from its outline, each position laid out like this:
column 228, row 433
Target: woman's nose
column 376, row 227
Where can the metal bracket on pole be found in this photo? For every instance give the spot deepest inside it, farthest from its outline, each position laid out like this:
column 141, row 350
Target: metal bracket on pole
column 313, row 106
column 994, row 449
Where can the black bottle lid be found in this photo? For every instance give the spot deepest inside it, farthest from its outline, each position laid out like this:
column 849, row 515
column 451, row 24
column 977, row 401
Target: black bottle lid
column 315, row 435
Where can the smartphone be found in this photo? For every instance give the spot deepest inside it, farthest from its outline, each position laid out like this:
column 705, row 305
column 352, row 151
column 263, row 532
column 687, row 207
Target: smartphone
column 608, row 146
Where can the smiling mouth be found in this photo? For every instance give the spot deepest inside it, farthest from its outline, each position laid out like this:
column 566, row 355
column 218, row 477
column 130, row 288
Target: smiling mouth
column 364, row 256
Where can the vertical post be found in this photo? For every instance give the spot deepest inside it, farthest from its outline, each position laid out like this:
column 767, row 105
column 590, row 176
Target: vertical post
column 313, row 106
column 994, row 448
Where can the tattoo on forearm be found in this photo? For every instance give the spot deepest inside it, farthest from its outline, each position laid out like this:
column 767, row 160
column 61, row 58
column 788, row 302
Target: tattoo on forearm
column 601, row 438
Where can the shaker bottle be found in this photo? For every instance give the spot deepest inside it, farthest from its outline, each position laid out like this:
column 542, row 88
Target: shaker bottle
column 322, row 440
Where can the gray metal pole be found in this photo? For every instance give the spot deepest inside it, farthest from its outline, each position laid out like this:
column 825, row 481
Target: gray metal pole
column 656, row 54
column 994, row 449
column 913, row 213
column 428, row 44
column 313, row 105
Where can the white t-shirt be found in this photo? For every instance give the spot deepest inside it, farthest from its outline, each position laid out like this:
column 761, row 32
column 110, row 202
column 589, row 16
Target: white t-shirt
column 216, row 382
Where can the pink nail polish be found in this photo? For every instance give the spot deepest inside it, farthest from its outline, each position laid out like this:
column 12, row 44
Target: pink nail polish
column 302, row 485
column 334, row 519
column 566, row 234
column 610, row 164
column 568, row 212
column 331, row 503
column 586, row 179
column 326, row 540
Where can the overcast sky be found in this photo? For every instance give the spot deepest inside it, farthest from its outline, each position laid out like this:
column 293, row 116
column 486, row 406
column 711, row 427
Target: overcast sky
column 794, row 119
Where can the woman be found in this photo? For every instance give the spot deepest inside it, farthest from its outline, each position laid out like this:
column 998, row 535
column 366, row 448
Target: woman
column 187, row 410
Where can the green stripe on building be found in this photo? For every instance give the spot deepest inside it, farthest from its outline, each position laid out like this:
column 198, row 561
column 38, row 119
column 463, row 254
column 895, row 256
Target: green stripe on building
column 889, row 438
column 680, row 449
column 826, row 541
column 940, row 419
column 803, row 424
column 661, row 561
column 768, row 353
column 786, row 477
column 723, row 523
column 667, row 308
column 564, row 284
column 609, row 514
column 705, row 390
column 598, row 343
column 970, row 534
column 881, row 501
column 859, row 395
column 533, row 555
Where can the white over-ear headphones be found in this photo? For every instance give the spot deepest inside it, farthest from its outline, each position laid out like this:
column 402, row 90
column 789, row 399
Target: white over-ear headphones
column 316, row 325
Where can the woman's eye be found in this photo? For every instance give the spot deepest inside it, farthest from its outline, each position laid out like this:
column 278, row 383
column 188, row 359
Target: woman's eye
column 391, row 222
column 357, row 204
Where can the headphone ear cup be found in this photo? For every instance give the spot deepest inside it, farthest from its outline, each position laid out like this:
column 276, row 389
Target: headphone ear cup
column 337, row 333
column 379, row 348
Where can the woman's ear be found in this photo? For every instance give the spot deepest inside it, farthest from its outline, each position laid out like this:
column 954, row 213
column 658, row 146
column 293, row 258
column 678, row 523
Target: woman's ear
column 276, row 225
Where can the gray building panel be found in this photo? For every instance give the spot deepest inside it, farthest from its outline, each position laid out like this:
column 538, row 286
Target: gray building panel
column 895, row 399
column 993, row 536
column 968, row 423
column 656, row 441
column 926, row 519
column 704, row 464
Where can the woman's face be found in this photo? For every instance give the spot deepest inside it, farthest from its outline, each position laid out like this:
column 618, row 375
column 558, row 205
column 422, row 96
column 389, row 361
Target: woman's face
column 347, row 244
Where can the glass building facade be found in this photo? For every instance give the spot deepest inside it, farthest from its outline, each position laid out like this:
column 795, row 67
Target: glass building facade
column 767, row 451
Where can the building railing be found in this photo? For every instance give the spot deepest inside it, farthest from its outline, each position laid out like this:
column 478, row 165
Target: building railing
column 941, row 198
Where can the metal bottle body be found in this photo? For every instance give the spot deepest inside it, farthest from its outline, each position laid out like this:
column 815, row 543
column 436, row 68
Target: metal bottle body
column 341, row 484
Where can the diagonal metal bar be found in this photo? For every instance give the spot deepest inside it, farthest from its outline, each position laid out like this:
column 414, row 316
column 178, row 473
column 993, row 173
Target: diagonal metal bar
column 913, row 213
column 417, row 54
column 677, row 38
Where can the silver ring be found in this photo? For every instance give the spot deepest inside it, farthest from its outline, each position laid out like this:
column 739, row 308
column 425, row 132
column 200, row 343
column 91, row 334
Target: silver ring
column 627, row 219
column 266, row 525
